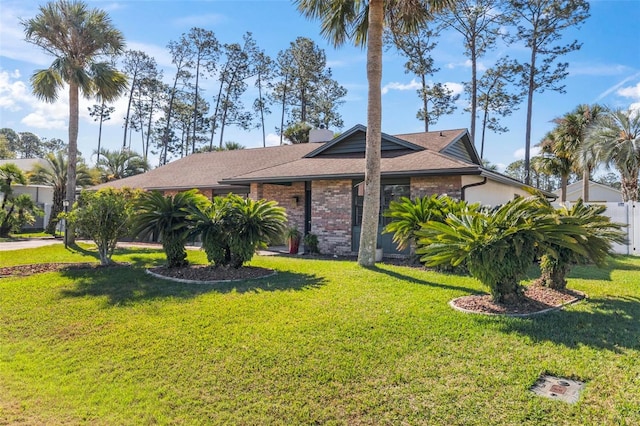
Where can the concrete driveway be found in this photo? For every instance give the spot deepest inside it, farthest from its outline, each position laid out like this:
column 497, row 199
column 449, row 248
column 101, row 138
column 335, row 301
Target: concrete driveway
column 25, row 244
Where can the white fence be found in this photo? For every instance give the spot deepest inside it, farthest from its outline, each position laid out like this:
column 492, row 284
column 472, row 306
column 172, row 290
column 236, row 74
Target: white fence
column 628, row 214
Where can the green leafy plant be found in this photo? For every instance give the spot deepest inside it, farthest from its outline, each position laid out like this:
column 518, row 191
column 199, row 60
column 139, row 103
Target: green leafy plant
column 311, row 243
column 15, row 211
column 168, row 218
column 104, row 216
column 255, row 223
column 499, row 245
column 600, row 233
column 408, row 216
column 232, row 228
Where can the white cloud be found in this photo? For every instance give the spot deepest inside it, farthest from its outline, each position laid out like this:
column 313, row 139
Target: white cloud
column 597, row 69
column 394, row 85
column 456, row 88
column 519, row 154
column 13, row 44
column 272, row 139
column 39, row 121
column 467, row 64
column 616, row 87
column 13, row 92
column 632, row 92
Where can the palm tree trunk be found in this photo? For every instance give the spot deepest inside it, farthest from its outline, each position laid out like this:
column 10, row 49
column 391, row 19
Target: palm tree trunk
column 72, row 153
column 371, row 207
column 564, row 180
column 586, row 176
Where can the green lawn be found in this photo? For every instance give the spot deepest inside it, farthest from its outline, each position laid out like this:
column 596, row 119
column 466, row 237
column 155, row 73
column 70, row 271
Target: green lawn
column 322, row 342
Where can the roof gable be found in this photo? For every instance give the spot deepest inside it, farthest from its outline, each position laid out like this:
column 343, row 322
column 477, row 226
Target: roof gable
column 453, row 143
column 353, row 141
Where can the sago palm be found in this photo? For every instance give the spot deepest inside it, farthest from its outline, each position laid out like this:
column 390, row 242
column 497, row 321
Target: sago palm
column 498, row 246
column 408, row 216
column 167, row 217
column 253, row 223
column 599, row 235
column 79, row 38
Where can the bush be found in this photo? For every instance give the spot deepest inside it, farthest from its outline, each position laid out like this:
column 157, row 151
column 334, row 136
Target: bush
column 311, row 243
column 499, row 245
column 168, row 218
column 556, row 261
column 104, row 217
column 232, row 228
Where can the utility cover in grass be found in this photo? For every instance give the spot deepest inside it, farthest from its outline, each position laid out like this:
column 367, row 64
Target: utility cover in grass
column 566, row 390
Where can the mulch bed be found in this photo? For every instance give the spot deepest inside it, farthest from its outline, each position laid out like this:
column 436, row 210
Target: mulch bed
column 26, row 270
column 536, row 299
column 208, row 273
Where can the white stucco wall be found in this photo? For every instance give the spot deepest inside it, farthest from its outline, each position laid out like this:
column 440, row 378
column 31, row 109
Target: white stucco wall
column 40, row 194
column 597, row 193
column 491, row 193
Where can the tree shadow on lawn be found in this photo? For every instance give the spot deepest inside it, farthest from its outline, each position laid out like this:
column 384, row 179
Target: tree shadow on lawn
column 608, row 323
column 592, row 272
column 126, row 285
column 413, row 280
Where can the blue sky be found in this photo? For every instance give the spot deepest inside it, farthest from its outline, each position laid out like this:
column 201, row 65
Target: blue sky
column 606, row 70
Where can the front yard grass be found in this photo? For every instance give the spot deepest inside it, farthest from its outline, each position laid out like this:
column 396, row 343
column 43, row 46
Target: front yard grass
column 322, row 342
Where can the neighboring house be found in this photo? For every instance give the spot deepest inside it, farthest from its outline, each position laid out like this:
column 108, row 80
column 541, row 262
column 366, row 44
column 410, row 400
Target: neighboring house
column 42, row 195
column 320, row 184
column 598, row 193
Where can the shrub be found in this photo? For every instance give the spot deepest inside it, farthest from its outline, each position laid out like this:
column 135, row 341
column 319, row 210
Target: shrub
column 600, row 233
column 499, row 245
column 311, row 243
column 408, row 216
column 232, row 228
column 104, row 216
column 168, row 218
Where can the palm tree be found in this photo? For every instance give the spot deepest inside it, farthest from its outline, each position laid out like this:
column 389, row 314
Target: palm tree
column 120, row 164
column 362, row 21
column 168, row 218
column 10, row 174
column 555, row 160
column 78, row 37
column 54, row 174
column 615, row 139
column 571, row 133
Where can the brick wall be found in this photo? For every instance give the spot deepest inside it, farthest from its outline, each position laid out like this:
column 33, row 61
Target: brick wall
column 331, row 215
column 428, row 185
column 284, row 195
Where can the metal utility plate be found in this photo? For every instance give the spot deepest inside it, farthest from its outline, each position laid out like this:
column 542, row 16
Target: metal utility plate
column 566, row 390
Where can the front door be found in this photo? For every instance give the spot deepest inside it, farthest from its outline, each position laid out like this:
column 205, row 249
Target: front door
column 390, row 190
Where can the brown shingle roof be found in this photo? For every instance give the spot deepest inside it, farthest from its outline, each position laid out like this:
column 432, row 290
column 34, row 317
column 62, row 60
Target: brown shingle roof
column 207, row 170
column 287, row 163
column 436, row 141
column 411, row 162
